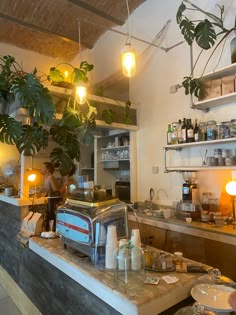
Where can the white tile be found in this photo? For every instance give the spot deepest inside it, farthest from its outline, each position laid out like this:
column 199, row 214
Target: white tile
column 7, row 307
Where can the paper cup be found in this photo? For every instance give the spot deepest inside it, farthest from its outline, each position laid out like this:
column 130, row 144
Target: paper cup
column 135, row 237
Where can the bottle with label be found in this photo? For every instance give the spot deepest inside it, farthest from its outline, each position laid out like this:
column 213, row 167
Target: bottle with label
column 169, row 132
column 196, row 132
column 184, row 131
column 190, row 135
column 179, row 132
column 174, row 138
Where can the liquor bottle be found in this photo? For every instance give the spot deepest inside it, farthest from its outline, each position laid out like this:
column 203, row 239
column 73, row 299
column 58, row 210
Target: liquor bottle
column 196, row 132
column 190, row 134
column 174, row 138
column 179, row 132
column 184, row 129
column 169, row 132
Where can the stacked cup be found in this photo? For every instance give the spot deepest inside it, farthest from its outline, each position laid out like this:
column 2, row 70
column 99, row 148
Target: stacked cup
column 136, row 259
column 111, row 246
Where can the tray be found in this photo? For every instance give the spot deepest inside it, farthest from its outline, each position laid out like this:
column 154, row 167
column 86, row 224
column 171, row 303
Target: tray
column 161, row 270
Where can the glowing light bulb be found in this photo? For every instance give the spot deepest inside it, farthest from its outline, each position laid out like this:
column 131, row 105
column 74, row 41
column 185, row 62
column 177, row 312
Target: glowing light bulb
column 66, row 75
column 32, row 177
column 81, row 94
column 128, row 57
column 231, row 188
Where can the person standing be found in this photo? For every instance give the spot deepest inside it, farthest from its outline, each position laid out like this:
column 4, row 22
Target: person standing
column 52, row 189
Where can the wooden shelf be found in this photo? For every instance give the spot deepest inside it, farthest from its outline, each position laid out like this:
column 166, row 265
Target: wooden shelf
column 178, row 147
column 221, row 100
column 199, row 143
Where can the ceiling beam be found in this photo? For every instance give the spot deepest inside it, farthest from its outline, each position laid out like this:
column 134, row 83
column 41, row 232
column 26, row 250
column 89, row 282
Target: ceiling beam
column 97, row 12
column 40, row 29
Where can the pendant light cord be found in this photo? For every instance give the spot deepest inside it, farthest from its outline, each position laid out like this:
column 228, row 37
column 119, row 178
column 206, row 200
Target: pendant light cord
column 128, row 24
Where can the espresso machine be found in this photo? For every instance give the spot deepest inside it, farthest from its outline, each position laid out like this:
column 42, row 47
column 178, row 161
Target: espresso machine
column 83, row 220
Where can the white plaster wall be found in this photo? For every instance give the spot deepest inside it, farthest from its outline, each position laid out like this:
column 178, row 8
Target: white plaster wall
column 150, row 88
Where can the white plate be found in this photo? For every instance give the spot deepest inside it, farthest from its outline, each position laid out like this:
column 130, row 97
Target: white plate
column 214, row 297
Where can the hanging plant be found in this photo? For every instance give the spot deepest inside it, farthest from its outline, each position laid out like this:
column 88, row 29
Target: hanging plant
column 205, row 33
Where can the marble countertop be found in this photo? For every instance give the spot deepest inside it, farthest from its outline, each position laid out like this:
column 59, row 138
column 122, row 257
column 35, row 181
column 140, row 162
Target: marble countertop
column 21, row 202
column 139, row 298
column 224, row 234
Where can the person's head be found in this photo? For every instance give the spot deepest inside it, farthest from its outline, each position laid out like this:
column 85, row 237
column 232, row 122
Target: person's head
column 47, row 168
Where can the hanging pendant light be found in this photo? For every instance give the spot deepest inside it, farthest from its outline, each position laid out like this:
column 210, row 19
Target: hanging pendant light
column 81, row 89
column 81, row 94
column 128, row 54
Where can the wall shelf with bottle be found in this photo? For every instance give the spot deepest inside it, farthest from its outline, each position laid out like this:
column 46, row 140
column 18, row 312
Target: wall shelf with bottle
column 202, row 165
column 221, row 99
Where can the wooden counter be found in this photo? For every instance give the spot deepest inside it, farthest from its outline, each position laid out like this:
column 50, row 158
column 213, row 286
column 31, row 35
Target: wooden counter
column 138, row 299
column 202, row 242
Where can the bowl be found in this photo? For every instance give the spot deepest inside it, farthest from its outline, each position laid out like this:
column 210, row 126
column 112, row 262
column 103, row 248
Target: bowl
column 214, row 297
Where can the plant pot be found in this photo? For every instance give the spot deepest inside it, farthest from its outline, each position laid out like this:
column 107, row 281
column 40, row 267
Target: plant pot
column 233, row 50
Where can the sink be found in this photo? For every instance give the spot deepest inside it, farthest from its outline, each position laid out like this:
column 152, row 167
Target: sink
column 214, row 297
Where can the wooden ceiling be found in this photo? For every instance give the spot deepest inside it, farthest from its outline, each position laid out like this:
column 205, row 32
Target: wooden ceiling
column 50, row 27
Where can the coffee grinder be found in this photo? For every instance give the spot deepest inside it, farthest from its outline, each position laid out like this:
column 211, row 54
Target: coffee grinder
column 189, row 189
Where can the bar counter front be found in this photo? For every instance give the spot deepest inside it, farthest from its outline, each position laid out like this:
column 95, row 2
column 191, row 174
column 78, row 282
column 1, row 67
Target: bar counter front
column 137, row 299
column 55, row 280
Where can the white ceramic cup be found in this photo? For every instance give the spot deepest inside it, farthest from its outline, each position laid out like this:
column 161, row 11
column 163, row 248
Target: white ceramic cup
column 167, row 213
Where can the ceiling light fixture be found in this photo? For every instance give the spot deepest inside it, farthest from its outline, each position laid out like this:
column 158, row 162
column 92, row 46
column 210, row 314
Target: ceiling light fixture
column 128, row 55
column 81, row 89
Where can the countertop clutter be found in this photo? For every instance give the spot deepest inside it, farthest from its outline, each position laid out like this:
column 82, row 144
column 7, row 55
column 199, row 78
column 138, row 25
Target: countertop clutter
column 137, row 298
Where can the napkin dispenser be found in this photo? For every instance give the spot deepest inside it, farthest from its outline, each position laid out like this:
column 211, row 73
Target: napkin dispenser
column 83, row 225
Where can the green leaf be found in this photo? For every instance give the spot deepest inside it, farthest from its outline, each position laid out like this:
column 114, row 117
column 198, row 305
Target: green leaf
column 108, row 116
column 179, row 13
column 61, row 158
column 10, row 129
column 205, row 34
column 187, row 29
column 32, row 139
column 194, row 87
column 55, row 75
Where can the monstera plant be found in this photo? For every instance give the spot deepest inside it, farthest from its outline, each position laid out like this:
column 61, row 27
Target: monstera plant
column 30, row 138
column 206, row 33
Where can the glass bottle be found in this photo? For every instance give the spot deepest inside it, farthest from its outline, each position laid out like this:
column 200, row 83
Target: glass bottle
column 190, row 134
column 169, row 132
column 174, row 138
column 196, row 132
column 179, row 132
column 184, row 131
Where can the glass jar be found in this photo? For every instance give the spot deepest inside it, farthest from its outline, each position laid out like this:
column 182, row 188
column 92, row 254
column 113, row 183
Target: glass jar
column 233, row 128
column 226, row 128
column 202, row 131
column 220, row 131
column 211, row 130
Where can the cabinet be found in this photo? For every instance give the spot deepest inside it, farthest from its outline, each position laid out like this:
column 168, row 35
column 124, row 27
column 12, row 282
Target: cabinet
column 221, row 100
column 112, row 158
column 199, row 151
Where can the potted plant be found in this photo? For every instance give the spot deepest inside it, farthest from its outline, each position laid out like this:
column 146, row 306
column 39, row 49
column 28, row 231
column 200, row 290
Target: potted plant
column 205, row 33
column 35, row 98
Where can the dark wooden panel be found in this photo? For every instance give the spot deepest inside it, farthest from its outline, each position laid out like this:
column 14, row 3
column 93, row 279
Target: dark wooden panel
column 222, row 256
column 150, row 235
column 192, row 247
column 53, row 292
column 9, row 246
